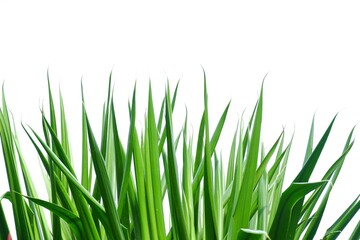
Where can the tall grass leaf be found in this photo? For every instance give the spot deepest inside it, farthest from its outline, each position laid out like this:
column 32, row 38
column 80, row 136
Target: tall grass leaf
column 163, row 135
column 262, row 167
column 85, row 179
column 4, row 229
column 140, row 186
column 196, row 174
column 249, row 234
column 291, row 196
column 65, row 200
column 242, row 213
column 65, row 142
column 20, row 215
column 209, row 208
column 356, row 233
column 104, row 184
column 81, row 205
column 154, row 163
column 199, row 160
column 129, row 152
column 177, row 215
column 304, row 175
column 41, row 225
column 263, row 200
column 218, row 192
column 56, row 227
column 236, row 184
column 149, row 183
column 104, row 137
column 68, row 216
column 331, row 175
column 75, row 187
column 306, row 171
column 120, row 160
column 231, row 162
column 161, row 116
column 338, row 226
column 309, row 147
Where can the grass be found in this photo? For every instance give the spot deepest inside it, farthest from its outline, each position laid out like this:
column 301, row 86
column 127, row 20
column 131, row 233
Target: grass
column 123, row 186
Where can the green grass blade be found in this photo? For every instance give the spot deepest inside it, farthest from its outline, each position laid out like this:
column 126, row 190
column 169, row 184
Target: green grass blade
column 263, row 198
column 41, row 225
column 187, row 181
column 242, row 213
column 309, row 165
column 304, row 175
column 309, row 148
column 177, row 215
column 343, row 220
column 249, row 234
column 20, row 215
column 199, row 171
column 210, row 218
column 69, row 217
column 85, row 179
column 260, row 170
column 231, row 162
column 331, row 175
column 56, row 227
column 140, row 186
column 75, row 187
column 196, row 174
column 4, row 229
column 154, row 163
column 129, row 152
column 120, row 160
column 356, row 233
column 292, row 195
column 104, row 184
column 236, row 184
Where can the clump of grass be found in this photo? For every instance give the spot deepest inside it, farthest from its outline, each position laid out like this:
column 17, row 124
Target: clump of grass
column 121, row 191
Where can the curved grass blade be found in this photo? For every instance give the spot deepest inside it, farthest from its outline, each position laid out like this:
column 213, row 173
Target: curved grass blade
column 243, row 208
column 104, row 184
column 42, row 227
column 304, row 175
column 155, row 167
column 249, row 234
column 209, row 208
column 292, row 195
column 177, row 215
column 68, row 216
column 331, row 175
column 75, row 187
column 129, row 152
column 22, row 224
column 356, row 233
column 343, row 220
column 4, row 229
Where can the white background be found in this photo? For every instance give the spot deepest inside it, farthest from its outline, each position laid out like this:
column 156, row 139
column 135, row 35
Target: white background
column 311, row 51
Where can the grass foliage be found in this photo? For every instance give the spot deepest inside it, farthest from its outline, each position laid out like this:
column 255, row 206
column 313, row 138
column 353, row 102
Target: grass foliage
column 123, row 185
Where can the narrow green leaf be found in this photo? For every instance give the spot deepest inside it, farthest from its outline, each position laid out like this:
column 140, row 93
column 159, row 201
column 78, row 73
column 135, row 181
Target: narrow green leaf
column 210, row 218
column 335, row 229
column 69, row 217
column 4, row 229
column 20, row 215
column 104, row 184
column 155, row 167
column 292, row 195
column 242, row 213
column 177, row 215
column 249, row 234
column 356, row 233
